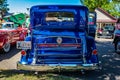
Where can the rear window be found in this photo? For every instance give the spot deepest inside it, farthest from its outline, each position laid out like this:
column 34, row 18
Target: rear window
column 59, row 16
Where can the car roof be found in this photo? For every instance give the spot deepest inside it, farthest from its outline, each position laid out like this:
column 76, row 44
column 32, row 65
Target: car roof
column 56, row 7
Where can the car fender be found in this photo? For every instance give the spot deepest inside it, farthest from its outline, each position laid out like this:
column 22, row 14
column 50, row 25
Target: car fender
column 4, row 38
column 28, row 38
column 91, row 43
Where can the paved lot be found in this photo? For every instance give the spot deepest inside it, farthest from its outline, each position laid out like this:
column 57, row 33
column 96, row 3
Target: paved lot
column 110, row 62
column 8, row 60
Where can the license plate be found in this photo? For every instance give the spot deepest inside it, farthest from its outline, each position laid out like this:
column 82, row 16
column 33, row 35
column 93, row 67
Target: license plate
column 23, row 44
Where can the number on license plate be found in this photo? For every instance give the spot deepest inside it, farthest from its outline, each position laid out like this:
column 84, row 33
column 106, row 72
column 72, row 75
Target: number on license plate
column 23, row 44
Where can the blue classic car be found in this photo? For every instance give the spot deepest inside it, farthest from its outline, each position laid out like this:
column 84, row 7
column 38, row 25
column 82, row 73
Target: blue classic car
column 58, row 40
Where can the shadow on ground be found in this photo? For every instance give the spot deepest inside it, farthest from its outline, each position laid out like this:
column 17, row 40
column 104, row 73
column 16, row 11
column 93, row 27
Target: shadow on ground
column 10, row 54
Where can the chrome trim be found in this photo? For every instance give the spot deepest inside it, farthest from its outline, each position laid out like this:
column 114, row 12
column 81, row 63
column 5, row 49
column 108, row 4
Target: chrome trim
column 59, row 48
column 60, row 54
column 62, row 60
column 57, row 67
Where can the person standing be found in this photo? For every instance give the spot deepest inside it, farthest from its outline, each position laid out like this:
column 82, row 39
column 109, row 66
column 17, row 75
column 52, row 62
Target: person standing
column 118, row 24
column 117, row 28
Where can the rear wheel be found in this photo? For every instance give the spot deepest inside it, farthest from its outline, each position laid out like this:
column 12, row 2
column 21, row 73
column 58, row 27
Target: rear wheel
column 6, row 47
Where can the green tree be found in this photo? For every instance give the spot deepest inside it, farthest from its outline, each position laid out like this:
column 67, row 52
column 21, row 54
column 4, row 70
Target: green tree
column 112, row 7
column 93, row 4
column 3, row 7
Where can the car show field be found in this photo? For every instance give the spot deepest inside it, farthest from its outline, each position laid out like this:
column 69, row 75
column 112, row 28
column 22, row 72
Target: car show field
column 59, row 40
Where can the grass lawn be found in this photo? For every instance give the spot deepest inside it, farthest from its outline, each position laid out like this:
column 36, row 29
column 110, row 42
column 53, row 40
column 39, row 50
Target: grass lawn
column 29, row 75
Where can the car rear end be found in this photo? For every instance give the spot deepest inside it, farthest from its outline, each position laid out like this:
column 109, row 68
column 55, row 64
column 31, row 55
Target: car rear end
column 57, row 53
column 58, row 43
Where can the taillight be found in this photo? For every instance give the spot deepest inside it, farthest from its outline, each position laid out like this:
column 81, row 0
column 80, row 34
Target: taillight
column 94, row 52
column 23, row 52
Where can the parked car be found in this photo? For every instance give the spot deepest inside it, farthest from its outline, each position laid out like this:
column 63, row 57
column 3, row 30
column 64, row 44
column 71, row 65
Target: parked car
column 58, row 40
column 99, row 32
column 10, row 34
column 106, row 32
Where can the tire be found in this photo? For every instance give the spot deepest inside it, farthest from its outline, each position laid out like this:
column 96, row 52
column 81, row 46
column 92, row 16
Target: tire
column 6, row 47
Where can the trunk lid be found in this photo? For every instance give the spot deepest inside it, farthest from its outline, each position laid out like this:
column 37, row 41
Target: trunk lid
column 58, row 47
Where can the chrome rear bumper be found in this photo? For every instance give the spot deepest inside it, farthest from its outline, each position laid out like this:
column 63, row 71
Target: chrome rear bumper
column 57, row 67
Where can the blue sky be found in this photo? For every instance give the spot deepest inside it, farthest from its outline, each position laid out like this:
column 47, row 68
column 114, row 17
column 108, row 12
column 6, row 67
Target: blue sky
column 22, row 5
